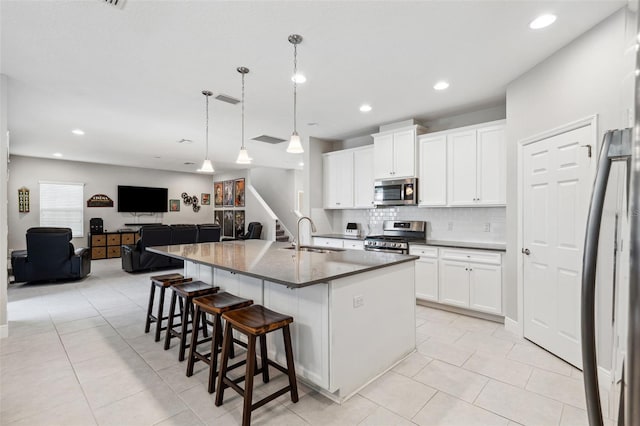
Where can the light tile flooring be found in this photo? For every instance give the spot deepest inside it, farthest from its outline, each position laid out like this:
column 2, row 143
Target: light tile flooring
column 77, row 355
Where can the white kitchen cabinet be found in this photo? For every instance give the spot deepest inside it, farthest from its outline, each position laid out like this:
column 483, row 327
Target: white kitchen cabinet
column 328, row 242
column 471, row 279
column 395, row 153
column 353, row 244
column 426, row 272
column 239, row 285
column 432, row 182
column 363, row 177
column 476, row 166
column 338, row 179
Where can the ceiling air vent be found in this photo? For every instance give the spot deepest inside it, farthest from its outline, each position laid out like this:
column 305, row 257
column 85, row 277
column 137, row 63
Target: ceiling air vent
column 228, row 99
column 115, row 3
column 268, row 139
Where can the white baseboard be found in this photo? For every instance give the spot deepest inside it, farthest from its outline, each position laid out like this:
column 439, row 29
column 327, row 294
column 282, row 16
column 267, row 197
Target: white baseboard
column 513, row 326
column 4, row 331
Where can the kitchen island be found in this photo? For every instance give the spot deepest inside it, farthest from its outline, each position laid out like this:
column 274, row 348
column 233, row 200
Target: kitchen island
column 354, row 311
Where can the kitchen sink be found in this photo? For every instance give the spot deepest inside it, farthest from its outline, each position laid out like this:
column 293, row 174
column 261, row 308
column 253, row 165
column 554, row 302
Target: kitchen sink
column 315, row 249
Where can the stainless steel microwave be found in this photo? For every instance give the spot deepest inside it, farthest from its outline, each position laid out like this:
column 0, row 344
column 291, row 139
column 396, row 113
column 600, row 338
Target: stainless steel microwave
column 396, row 192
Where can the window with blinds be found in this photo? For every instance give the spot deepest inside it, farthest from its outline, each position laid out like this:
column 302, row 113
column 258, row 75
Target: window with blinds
column 62, row 205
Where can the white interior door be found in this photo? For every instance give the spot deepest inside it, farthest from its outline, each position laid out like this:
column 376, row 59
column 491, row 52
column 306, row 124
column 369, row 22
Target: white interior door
column 556, row 188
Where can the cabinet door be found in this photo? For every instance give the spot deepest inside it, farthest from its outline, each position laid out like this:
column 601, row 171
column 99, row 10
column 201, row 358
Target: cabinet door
column 383, row 156
column 327, row 242
column 427, row 279
column 485, row 285
column 454, row 283
column 404, row 153
column 432, row 185
column 492, row 165
column 338, row 180
column 461, row 149
column 363, row 178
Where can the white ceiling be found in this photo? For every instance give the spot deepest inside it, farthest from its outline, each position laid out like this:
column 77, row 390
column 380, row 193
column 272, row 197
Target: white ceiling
column 131, row 78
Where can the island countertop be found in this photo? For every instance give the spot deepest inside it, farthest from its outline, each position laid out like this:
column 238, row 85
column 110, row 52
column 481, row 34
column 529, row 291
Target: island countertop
column 272, row 261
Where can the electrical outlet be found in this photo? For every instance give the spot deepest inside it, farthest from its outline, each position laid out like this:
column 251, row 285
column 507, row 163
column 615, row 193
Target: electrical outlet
column 487, row 227
column 358, row 301
column 450, row 226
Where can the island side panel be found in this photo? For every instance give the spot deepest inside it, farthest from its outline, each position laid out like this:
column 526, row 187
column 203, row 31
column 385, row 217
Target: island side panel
column 309, row 307
column 372, row 325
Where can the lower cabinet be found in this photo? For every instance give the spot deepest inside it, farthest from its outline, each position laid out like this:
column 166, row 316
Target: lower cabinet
column 338, row 243
column 470, row 279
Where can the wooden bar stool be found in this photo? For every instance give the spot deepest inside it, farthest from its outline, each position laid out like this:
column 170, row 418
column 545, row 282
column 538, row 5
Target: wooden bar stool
column 162, row 282
column 186, row 292
column 215, row 305
column 255, row 321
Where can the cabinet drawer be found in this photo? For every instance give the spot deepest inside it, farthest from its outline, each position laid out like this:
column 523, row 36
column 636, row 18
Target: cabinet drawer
column 423, row 251
column 98, row 240
column 113, row 239
column 327, row 242
column 98, row 253
column 113, row 251
column 478, row 256
column 127, row 238
column 353, row 245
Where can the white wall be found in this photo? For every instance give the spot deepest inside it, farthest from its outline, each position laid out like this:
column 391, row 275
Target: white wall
column 588, row 76
column 4, row 146
column 100, row 179
column 278, row 189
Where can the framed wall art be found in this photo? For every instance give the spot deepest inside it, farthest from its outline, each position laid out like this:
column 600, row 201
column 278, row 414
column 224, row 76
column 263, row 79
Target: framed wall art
column 205, row 199
column 227, row 194
column 217, row 194
column 239, row 192
column 174, row 205
column 227, row 223
column 238, row 223
column 217, row 218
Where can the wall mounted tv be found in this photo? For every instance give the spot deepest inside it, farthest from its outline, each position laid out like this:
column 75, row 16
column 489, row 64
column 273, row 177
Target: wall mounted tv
column 142, row 199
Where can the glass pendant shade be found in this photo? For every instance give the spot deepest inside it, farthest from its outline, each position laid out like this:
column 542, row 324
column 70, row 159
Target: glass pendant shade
column 295, row 146
column 243, row 156
column 206, row 167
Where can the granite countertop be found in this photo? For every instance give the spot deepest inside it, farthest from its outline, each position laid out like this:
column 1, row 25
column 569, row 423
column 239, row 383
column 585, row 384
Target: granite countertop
column 341, row 236
column 272, row 261
column 467, row 244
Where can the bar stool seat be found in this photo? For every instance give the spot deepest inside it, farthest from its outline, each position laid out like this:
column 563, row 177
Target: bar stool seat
column 162, row 282
column 215, row 305
column 255, row 321
column 186, row 292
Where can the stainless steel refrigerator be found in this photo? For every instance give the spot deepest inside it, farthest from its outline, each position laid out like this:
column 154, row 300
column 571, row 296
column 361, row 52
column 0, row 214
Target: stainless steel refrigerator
column 621, row 145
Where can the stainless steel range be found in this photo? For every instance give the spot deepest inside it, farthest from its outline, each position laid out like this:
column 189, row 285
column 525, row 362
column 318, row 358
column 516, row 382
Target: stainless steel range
column 396, row 236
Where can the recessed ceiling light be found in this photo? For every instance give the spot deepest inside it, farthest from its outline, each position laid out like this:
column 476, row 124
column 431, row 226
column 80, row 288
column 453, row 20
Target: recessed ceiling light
column 441, row 85
column 301, row 164
column 78, row 132
column 365, row 108
column 542, row 21
column 57, row 154
column 299, row 78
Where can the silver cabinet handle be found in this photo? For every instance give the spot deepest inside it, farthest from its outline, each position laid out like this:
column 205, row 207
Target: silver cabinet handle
column 526, row 251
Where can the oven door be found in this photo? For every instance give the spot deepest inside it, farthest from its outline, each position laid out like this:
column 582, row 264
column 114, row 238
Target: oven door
column 386, row 250
column 395, row 192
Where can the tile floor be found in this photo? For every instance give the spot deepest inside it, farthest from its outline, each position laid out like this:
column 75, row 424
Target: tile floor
column 77, row 355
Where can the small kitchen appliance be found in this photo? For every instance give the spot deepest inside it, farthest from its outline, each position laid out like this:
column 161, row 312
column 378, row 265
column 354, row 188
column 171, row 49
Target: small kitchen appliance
column 352, row 229
column 396, row 192
column 396, row 236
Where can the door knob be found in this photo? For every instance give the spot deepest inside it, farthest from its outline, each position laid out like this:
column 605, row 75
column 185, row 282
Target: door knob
column 526, row 251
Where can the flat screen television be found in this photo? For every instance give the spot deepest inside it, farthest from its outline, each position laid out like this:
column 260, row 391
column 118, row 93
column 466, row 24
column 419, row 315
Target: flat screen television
column 142, row 199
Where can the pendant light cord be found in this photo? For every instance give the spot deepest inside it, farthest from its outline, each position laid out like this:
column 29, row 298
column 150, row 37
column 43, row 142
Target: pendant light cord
column 295, row 87
column 207, row 128
column 242, row 111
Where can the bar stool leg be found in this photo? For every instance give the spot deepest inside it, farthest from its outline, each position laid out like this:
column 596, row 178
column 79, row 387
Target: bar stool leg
column 172, row 309
column 263, row 355
column 194, row 339
column 290, row 367
column 248, row 382
column 226, row 344
column 216, row 342
column 152, row 292
column 188, row 308
column 159, row 315
column 205, row 331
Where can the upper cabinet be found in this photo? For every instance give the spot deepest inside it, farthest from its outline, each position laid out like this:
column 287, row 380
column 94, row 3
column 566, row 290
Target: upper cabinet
column 395, row 153
column 432, row 182
column 492, row 165
column 348, row 178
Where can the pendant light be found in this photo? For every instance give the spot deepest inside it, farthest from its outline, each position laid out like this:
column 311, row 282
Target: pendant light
column 243, row 155
column 207, row 167
column 295, row 147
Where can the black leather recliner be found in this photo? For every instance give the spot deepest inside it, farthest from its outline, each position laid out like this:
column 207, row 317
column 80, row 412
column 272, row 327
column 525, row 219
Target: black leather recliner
column 136, row 258
column 208, row 233
column 254, row 231
column 50, row 256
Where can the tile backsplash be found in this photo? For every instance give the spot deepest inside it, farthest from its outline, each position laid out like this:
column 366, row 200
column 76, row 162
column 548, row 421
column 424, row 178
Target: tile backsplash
column 477, row 224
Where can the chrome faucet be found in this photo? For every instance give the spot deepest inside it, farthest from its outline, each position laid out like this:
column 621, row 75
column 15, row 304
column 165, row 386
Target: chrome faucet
column 313, row 229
